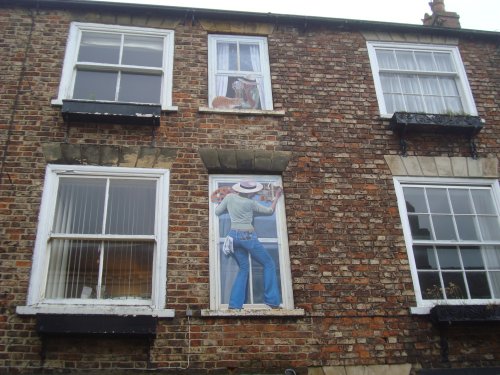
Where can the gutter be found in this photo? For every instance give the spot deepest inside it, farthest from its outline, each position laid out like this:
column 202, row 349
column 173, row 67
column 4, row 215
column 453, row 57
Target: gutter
column 304, row 21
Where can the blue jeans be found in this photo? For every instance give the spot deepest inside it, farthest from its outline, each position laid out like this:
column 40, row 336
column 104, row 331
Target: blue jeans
column 245, row 243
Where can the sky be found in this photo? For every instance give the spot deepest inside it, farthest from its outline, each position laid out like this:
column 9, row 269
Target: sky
column 474, row 14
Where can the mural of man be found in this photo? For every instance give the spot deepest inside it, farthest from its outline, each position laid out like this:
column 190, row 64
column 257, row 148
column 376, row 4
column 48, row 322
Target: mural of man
column 242, row 238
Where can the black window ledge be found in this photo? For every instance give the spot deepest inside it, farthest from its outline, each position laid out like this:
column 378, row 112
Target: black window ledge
column 111, row 112
column 109, row 325
column 439, row 123
column 465, row 314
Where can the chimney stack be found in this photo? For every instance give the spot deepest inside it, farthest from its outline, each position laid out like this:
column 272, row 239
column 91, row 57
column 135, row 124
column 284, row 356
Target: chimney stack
column 440, row 17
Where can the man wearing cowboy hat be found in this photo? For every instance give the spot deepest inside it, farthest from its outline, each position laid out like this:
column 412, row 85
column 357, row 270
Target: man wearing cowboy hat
column 241, row 208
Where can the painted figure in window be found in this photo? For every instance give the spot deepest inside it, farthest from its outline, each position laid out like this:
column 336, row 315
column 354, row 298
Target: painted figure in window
column 245, row 91
column 240, row 202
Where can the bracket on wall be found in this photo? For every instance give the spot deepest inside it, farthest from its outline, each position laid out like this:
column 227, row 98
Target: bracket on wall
column 406, row 122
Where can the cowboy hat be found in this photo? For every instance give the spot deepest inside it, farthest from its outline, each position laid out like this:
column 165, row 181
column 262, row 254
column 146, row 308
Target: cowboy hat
column 247, row 187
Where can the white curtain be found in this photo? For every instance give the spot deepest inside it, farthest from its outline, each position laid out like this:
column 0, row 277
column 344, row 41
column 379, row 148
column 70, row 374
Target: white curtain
column 255, row 58
column 222, row 64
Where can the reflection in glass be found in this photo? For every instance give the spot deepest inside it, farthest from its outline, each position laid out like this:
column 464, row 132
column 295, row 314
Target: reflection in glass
column 472, row 258
column 466, row 228
column 438, row 201
column 478, row 285
column 454, row 285
column 131, row 207
column 99, row 48
column 91, row 85
column 143, row 51
column 443, row 227
column 420, row 226
column 425, row 258
column 430, row 285
column 448, row 258
column 127, row 270
column 140, row 88
column 483, row 202
column 415, row 200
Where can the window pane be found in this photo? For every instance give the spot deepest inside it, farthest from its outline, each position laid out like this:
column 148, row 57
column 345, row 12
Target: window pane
column 460, row 201
column 478, row 285
column 414, row 103
column 127, row 270
column 415, row 200
column 410, row 84
column 131, row 207
column 472, row 258
column 466, row 228
column 95, row 85
column 140, row 88
column 73, row 269
column 390, row 83
column 492, row 257
column 386, row 59
column 394, row 102
column 425, row 61
column 405, row 60
column 80, row 205
column 454, row 105
column 454, row 285
column 227, row 56
column 430, row 285
column 434, row 104
column 249, row 57
column 143, row 51
column 438, row 201
column 444, row 62
column 449, row 86
column 430, row 85
column 425, row 258
column 490, row 229
column 483, row 202
column 495, row 283
column 420, row 226
column 448, row 258
column 258, row 274
column 443, row 227
column 99, row 48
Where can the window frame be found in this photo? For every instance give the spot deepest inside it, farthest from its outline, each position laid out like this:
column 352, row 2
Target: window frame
column 213, row 39
column 423, row 305
column 68, row 74
column 462, row 83
column 36, row 302
column 282, row 240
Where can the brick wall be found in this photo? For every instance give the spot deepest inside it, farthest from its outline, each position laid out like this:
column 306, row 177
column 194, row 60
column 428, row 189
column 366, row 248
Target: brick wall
column 350, row 270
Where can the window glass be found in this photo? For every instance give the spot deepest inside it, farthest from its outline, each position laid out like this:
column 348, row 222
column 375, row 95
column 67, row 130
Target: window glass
column 118, row 64
column 142, row 51
column 99, row 48
column 131, row 207
column 456, row 246
column 239, row 76
column 92, row 85
column 107, row 238
column 429, row 78
column 140, row 88
column 251, row 271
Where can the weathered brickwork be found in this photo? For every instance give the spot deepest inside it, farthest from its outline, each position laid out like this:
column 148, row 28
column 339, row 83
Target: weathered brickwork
column 350, row 270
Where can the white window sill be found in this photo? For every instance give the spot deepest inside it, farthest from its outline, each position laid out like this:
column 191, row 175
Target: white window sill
column 243, row 112
column 253, row 313
column 421, row 310
column 95, row 310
